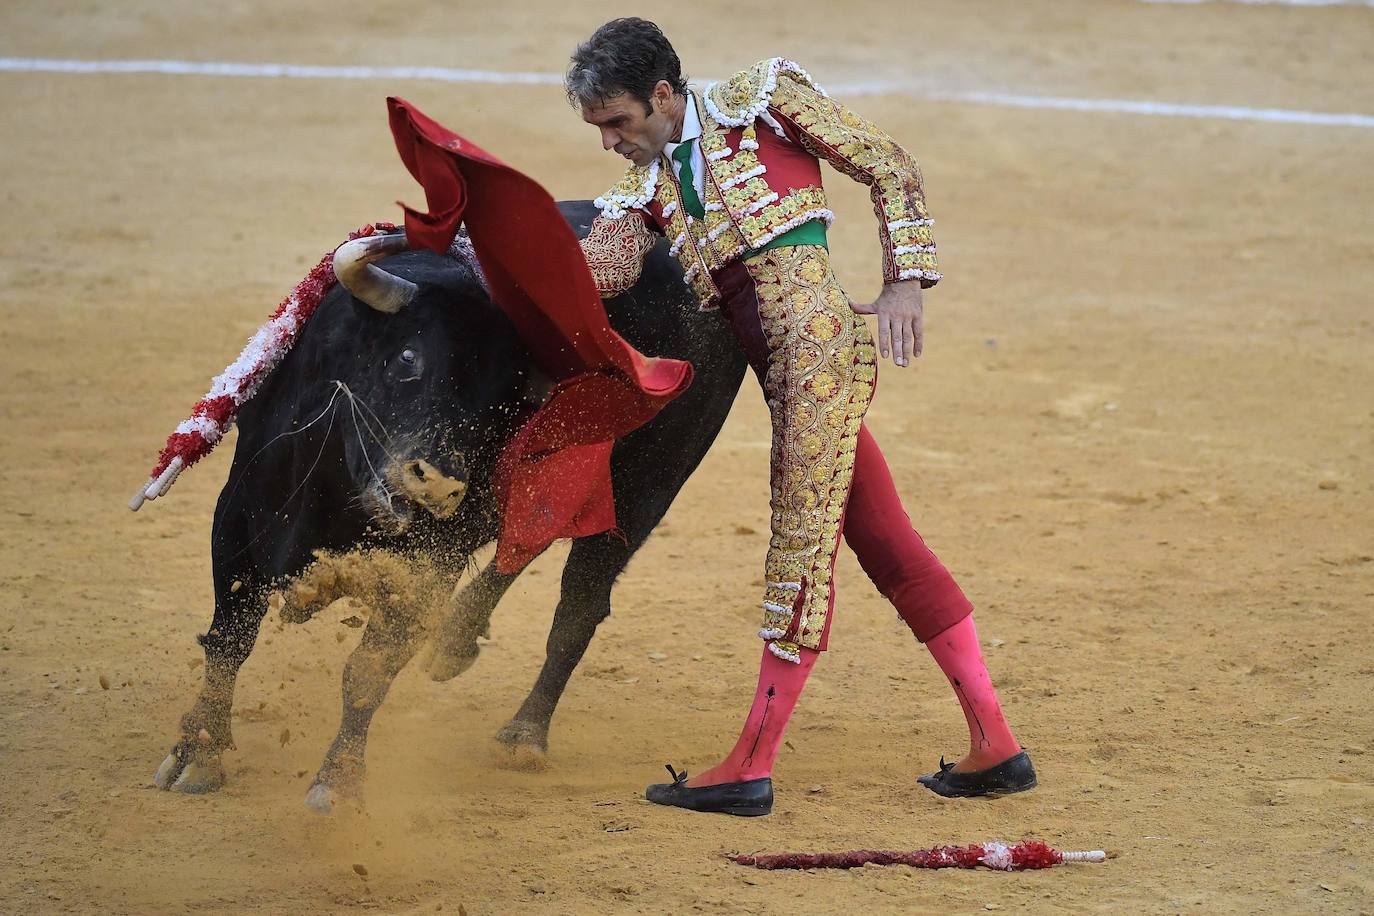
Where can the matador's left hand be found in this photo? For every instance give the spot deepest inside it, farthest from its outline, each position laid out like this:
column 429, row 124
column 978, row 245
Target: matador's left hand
column 901, row 320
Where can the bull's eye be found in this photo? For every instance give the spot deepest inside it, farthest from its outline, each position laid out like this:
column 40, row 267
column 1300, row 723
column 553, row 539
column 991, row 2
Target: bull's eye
column 407, row 356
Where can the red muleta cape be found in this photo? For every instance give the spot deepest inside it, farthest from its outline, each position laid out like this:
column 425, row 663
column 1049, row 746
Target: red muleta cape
column 554, row 478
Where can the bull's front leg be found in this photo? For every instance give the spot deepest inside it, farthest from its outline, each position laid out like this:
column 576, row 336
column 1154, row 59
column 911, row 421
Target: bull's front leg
column 195, row 764
column 390, row 641
column 455, row 646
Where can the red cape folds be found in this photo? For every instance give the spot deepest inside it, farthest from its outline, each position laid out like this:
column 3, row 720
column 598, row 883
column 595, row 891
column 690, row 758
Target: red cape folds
column 554, row 478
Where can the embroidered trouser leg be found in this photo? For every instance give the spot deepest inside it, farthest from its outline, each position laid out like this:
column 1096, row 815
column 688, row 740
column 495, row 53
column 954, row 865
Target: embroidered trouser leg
column 817, row 364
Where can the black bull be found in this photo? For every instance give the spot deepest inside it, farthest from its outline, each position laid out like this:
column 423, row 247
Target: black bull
column 381, row 431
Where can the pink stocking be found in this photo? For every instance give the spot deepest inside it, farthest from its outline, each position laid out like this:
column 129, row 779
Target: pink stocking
column 780, row 684
column 990, row 739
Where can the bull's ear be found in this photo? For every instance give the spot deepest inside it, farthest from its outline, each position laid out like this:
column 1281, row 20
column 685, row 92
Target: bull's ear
column 537, row 387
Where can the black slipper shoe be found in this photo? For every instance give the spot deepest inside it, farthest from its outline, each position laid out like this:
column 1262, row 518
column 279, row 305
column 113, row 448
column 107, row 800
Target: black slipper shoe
column 751, row 798
column 1015, row 774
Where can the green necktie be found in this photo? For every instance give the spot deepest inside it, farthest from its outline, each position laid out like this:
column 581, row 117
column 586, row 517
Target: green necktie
column 690, row 200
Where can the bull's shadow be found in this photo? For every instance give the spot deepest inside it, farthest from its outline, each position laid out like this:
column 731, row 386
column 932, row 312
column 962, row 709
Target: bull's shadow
column 380, row 429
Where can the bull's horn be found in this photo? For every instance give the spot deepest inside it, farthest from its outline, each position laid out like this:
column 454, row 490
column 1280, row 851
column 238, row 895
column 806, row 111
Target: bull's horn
column 353, row 265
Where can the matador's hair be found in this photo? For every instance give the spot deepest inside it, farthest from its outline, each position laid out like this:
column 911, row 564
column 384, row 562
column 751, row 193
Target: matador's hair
column 623, row 57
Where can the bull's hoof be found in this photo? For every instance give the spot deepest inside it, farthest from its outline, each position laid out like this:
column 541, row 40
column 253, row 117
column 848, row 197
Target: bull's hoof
column 328, row 792
column 168, row 772
column 340, row 779
column 447, row 662
column 321, row 799
column 196, row 773
column 526, row 745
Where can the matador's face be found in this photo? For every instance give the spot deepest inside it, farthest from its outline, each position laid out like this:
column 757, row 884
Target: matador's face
column 633, row 132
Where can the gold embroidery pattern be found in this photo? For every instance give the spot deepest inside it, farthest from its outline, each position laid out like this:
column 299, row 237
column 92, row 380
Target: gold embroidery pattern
column 821, row 370
column 800, row 205
column 859, row 149
column 706, row 244
column 743, row 97
column 744, row 213
column 615, row 250
column 686, row 233
column 723, row 241
column 759, row 213
column 736, row 97
column 634, row 190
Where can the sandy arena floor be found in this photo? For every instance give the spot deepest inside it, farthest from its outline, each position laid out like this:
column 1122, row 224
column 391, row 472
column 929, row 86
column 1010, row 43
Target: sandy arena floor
column 1140, row 436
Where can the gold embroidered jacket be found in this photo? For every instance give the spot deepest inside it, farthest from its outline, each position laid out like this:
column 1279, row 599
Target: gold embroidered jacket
column 763, row 133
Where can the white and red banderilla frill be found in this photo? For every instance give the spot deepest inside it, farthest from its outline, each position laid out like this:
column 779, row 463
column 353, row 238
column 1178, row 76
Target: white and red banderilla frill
column 213, row 415
column 998, row 856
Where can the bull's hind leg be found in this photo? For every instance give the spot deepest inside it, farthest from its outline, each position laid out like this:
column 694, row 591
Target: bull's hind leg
column 648, row 469
column 592, row 567
column 389, row 642
column 195, row 764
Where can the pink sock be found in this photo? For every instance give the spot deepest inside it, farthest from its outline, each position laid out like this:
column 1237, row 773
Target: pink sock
column 780, row 684
column 990, row 739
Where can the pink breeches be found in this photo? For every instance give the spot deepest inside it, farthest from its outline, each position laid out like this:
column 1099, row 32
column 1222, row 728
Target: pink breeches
column 894, row 556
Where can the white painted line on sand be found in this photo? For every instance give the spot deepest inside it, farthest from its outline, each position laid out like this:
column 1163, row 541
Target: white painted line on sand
column 1166, row 109
column 1272, row 2
column 529, row 78
column 279, row 71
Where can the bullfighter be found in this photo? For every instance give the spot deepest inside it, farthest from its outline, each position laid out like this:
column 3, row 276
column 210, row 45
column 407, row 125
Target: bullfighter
column 731, row 176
